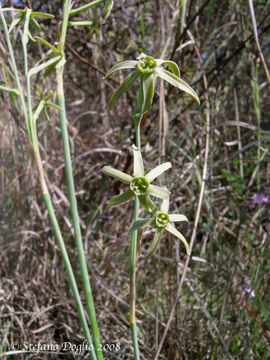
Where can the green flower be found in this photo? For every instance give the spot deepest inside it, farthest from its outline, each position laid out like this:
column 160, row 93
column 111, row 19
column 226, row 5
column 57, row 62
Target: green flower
column 162, row 220
column 139, row 184
column 147, row 68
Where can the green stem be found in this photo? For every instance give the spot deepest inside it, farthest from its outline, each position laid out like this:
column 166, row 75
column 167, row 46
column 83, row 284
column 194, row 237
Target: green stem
column 31, row 126
column 137, row 116
column 71, row 192
column 14, row 65
column 76, row 295
column 84, row 7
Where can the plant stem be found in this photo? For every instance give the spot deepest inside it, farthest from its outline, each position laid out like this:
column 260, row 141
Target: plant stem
column 65, row 257
column 133, row 258
column 60, row 99
column 84, row 7
column 137, row 116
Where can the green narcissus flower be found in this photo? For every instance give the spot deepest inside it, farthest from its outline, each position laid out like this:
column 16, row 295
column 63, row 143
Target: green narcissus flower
column 147, row 68
column 162, row 221
column 139, row 184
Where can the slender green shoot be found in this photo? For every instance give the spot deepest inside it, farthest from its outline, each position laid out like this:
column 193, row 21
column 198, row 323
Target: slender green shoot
column 60, row 99
column 85, row 7
column 31, row 126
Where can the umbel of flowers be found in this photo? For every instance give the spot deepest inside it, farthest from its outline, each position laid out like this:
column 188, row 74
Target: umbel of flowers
column 147, row 69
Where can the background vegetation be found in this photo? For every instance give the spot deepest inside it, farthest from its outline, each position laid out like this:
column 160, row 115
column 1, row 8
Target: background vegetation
column 224, row 304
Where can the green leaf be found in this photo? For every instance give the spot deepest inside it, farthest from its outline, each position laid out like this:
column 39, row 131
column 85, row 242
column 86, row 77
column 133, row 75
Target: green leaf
column 138, row 162
column 30, row 36
column 263, row 309
column 44, row 65
column 121, row 198
column 38, row 110
column 44, row 42
column 155, row 242
column 57, row 107
column 176, row 233
column 125, row 85
column 46, row 114
column 35, row 23
column 177, row 82
column 84, row 7
column 127, row 64
column 80, row 23
column 141, row 223
column 108, row 8
column 14, row 23
column 42, row 15
column 177, row 217
column 161, row 193
column 39, row 91
column 12, row 9
column 153, row 174
column 171, row 65
column 117, row 174
column 8, row 90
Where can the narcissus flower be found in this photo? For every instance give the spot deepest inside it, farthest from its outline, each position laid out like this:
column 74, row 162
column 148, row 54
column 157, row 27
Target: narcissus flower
column 162, row 221
column 147, row 68
column 139, row 184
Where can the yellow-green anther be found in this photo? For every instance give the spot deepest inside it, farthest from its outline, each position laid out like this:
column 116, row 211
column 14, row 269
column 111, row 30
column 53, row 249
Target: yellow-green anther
column 139, row 186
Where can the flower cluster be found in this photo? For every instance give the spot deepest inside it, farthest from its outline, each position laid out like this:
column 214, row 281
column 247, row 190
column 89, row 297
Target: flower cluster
column 140, row 185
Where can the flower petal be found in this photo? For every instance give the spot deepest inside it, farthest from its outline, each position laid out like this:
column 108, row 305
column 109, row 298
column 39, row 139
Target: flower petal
column 121, row 198
column 142, row 55
column 177, row 217
column 171, row 65
column 128, row 64
column 137, row 162
column 142, row 223
column 177, row 82
column 161, row 193
column 176, row 233
column 164, row 208
column 123, row 87
column 153, row 174
column 117, row 174
column 155, row 242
